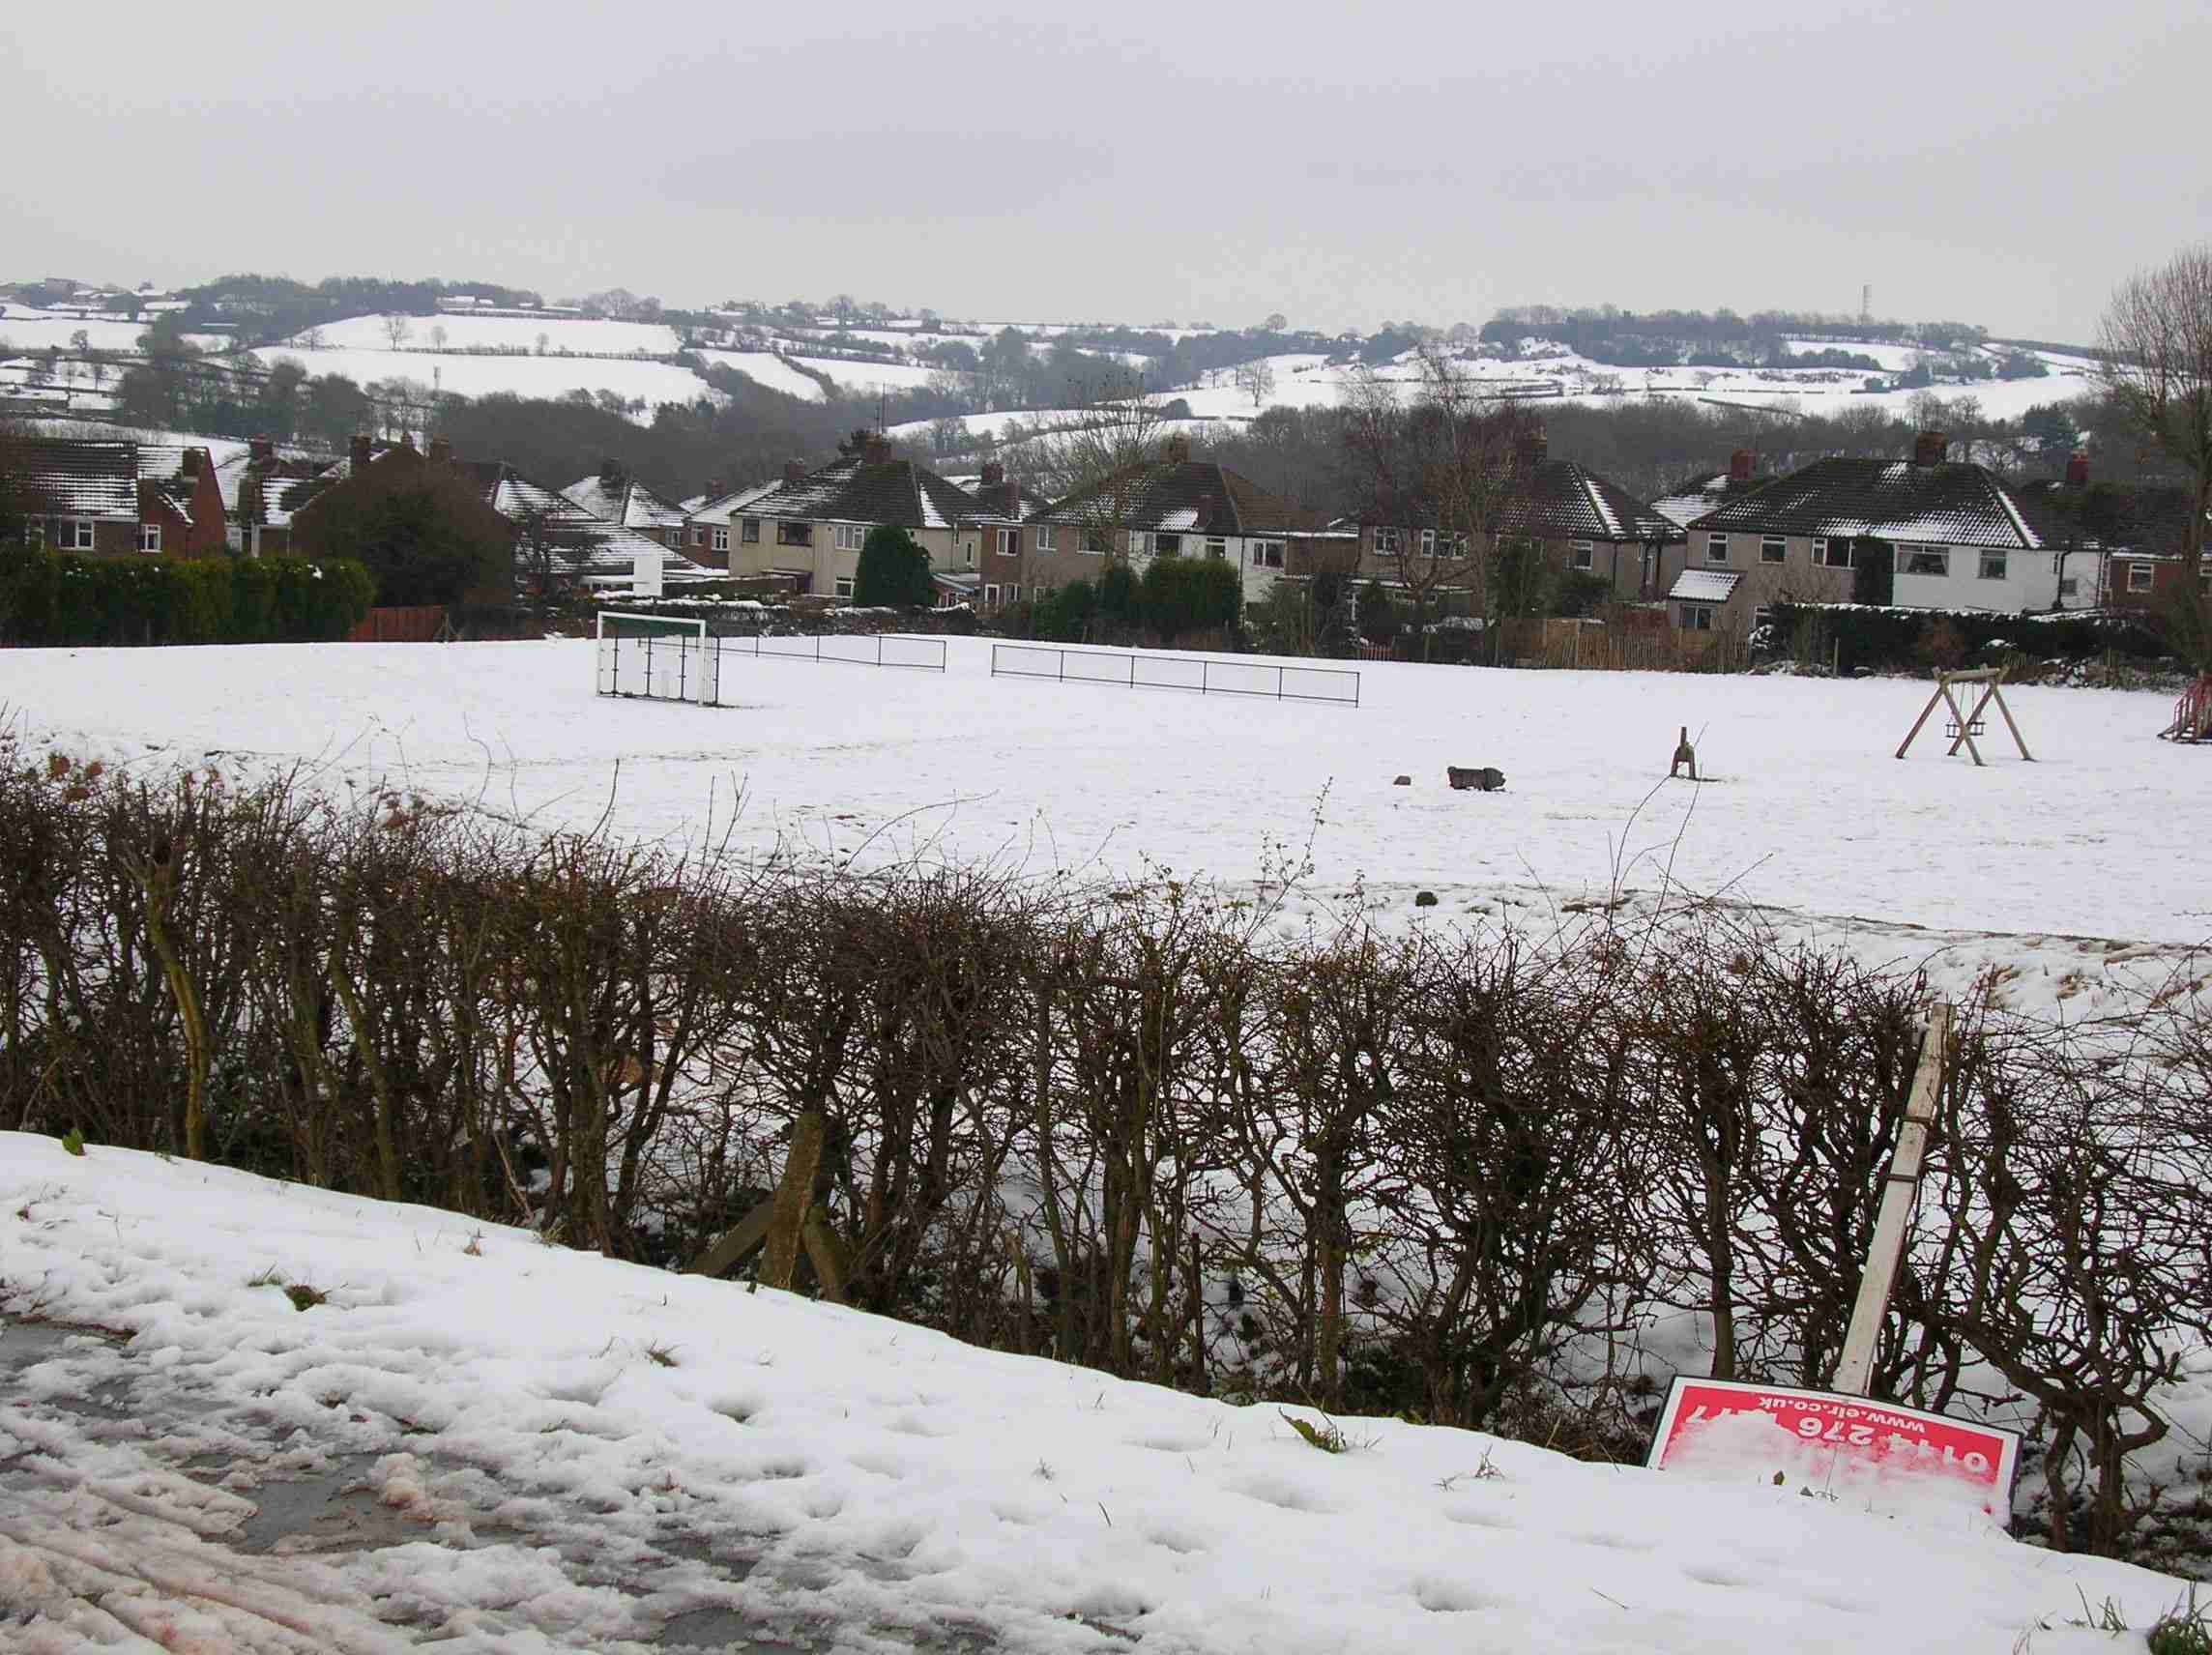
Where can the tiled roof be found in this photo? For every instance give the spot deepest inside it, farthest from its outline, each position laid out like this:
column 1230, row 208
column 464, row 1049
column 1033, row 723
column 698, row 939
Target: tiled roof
column 1692, row 498
column 1890, row 499
column 1003, row 502
column 1703, row 586
column 1565, row 500
column 584, row 545
column 630, row 504
column 858, row 491
column 2110, row 517
column 1181, row 497
column 80, row 478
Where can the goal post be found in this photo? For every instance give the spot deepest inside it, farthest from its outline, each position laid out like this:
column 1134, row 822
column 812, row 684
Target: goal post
column 658, row 657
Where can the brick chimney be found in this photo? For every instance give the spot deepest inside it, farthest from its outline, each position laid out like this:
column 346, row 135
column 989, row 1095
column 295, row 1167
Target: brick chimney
column 189, row 464
column 717, row 487
column 1741, row 464
column 1531, row 448
column 994, row 474
column 876, row 451
column 363, row 444
column 794, row 469
column 441, row 451
column 612, row 476
column 1928, row 449
column 2078, row 470
column 261, row 449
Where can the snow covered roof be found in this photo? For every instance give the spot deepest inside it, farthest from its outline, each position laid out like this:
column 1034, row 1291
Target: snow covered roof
column 1565, row 500
column 1703, row 586
column 79, row 478
column 721, row 509
column 1687, row 501
column 859, row 490
column 1890, row 499
column 614, row 498
column 1181, row 497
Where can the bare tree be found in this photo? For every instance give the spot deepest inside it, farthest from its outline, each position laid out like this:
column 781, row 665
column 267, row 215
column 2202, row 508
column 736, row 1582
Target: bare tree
column 1445, row 464
column 1256, row 379
column 2156, row 339
column 438, row 336
column 396, row 328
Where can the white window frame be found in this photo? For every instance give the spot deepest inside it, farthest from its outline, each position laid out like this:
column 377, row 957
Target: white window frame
column 991, row 595
column 852, row 536
column 1386, row 542
column 1429, row 544
column 844, row 586
column 1831, row 552
column 721, row 540
column 1773, row 549
column 2141, row 576
column 1013, row 593
column 1716, row 548
column 1941, row 555
column 1010, row 542
column 1582, row 554
column 788, row 533
column 1267, row 554
column 1168, row 546
column 1697, row 618
column 1097, row 542
column 1984, row 571
column 1217, row 546
column 1047, row 537
column 749, row 531
column 149, row 536
column 74, row 535
column 698, row 533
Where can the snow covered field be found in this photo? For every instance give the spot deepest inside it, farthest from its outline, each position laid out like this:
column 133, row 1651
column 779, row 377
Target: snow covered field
column 766, row 368
column 487, row 376
column 1806, row 812
column 482, row 1441
column 581, row 334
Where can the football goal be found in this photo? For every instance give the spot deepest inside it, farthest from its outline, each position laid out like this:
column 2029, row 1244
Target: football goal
column 659, row 657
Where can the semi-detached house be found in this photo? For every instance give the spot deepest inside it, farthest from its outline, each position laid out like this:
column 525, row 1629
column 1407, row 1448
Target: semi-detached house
column 1954, row 535
column 810, row 528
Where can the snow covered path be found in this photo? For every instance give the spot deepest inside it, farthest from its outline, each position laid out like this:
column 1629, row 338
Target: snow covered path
column 558, row 1452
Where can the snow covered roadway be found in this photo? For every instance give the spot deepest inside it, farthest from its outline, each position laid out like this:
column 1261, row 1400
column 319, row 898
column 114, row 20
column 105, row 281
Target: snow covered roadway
column 490, row 1443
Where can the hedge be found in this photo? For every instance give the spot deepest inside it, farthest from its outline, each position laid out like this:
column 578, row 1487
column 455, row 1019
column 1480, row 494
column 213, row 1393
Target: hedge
column 49, row 597
column 1867, row 638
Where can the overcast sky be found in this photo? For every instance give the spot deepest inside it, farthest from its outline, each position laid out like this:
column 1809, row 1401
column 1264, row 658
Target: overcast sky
column 1132, row 161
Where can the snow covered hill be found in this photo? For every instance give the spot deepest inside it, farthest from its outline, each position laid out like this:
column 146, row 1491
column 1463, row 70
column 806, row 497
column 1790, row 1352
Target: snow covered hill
column 559, row 1452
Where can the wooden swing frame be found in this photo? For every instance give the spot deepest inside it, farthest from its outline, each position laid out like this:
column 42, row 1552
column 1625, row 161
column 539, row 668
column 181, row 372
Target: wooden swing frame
column 1965, row 723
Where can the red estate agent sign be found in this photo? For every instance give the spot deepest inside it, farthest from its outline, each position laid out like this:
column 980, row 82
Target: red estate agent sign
column 1854, row 1446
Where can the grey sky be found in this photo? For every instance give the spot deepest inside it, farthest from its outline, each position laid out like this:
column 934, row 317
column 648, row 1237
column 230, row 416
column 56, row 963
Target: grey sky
column 1132, row 161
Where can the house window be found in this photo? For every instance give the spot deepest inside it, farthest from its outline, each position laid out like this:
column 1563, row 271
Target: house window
column 794, row 534
column 1428, row 542
column 1582, row 554
column 748, row 530
column 968, row 551
column 1993, row 565
column 1010, row 542
column 1267, row 554
column 72, row 534
column 1831, row 553
column 1697, row 618
column 149, row 536
column 1386, row 542
column 1014, row 592
column 850, row 537
column 1716, row 548
column 2139, row 577
column 698, row 536
column 990, row 597
column 844, row 586
column 1047, row 537
column 1773, row 549
column 1168, row 546
column 1096, row 541
column 1927, row 560
column 721, row 540
column 1218, row 547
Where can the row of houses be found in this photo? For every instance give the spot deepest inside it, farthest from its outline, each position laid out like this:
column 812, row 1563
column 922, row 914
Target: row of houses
column 1714, row 555
column 1710, row 557
column 123, row 497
